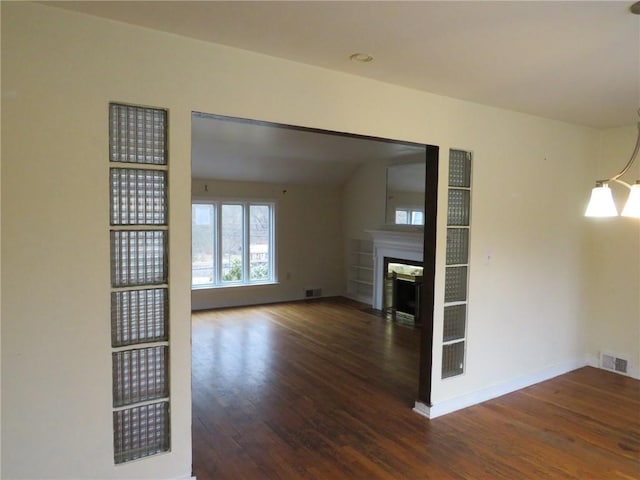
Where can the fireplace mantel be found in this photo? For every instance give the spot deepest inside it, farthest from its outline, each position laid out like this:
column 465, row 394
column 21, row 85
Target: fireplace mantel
column 403, row 244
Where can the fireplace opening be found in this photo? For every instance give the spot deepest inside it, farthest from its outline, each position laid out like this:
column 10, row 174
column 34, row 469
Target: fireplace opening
column 402, row 290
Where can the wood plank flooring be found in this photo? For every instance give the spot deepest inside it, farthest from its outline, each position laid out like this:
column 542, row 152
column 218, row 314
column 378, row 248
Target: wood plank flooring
column 324, row 390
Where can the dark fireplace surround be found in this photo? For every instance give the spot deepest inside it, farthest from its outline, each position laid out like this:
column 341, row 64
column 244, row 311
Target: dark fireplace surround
column 402, row 290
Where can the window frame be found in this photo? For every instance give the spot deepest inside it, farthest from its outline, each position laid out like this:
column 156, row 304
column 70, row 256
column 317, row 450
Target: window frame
column 217, row 266
column 410, row 211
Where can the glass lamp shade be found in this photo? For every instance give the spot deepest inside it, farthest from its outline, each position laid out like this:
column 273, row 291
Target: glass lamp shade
column 632, row 207
column 601, row 203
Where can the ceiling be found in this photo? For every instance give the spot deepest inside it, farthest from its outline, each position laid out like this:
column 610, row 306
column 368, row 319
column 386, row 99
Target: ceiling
column 257, row 151
column 574, row 61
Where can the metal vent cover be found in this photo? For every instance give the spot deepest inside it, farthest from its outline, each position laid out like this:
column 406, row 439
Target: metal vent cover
column 610, row 362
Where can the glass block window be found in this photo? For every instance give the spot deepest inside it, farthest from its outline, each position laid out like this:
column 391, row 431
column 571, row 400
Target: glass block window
column 140, row 431
column 459, row 169
column 137, row 134
column 139, row 316
column 458, row 207
column 138, row 258
column 455, row 284
column 457, row 261
column 140, row 375
column 455, row 317
column 138, row 197
column 138, row 218
column 457, row 246
column 452, row 359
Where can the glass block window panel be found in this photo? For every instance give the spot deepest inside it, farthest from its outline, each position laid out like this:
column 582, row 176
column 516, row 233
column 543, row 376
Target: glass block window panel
column 455, row 317
column 138, row 258
column 138, row 197
column 458, row 207
column 140, row 375
column 259, row 242
column 140, row 431
column 232, row 242
column 457, row 246
column 139, row 316
column 137, row 134
column 455, row 284
column 459, row 169
column 452, row 359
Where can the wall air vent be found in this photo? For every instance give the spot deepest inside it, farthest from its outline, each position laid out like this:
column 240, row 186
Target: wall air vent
column 313, row 293
column 611, row 362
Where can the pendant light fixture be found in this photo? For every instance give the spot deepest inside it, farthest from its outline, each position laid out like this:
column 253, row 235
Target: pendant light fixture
column 601, row 203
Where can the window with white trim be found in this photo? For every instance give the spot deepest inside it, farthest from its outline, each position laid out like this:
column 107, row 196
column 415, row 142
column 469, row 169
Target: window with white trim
column 409, row 216
column 233, row 243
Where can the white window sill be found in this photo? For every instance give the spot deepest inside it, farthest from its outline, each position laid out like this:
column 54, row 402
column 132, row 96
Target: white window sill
column 233, row 285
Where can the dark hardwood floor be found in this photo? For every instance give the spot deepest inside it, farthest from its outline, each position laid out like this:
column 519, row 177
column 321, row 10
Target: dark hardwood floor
column 324, row 390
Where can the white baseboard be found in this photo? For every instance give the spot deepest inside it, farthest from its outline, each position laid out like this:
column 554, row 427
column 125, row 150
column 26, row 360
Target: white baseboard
column 443, row 407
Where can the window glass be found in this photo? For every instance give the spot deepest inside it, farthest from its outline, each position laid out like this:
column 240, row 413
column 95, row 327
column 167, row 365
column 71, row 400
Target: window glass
column 259, row 242
column 202, row 254
column 232, row 243
column 402, row 217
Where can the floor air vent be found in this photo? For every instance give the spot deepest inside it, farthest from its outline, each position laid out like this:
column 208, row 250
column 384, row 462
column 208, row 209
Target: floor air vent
column 613, row 363
column 312, row 293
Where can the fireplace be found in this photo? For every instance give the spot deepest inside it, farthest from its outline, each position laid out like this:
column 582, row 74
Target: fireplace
column 404, row 247
column 402, row 291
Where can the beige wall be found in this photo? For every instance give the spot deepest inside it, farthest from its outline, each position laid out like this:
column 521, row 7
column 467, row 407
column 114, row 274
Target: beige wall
column 402, row 200
column 526, row 286
column 308, row 237
column 614, row 270
column 60, row 70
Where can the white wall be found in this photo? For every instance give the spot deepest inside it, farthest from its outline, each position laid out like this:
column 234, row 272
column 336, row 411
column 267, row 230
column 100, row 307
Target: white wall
column 309, row 242
column 528, row 247
column 59, row 71
column 614, row 277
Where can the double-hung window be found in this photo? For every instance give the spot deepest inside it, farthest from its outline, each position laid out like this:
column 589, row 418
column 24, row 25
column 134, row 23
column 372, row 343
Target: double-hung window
column 409, row 216
column 233, row 243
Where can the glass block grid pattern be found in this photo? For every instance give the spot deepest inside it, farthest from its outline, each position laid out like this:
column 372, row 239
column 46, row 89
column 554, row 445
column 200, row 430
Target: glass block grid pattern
column 138, row 197
column 137, row 134
column 139, row 316
column 457, row 261
column 139, row 262
column 138, row 258
column 140, row 431
column 452, row 359
column 458, row 207
column 455, row 284
column 455, row 317
column 457, row 246
column 140, row 375
column 459, row 169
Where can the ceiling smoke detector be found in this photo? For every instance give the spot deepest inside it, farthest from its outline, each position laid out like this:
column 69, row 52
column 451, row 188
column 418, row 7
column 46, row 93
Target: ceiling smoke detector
column 362, row 57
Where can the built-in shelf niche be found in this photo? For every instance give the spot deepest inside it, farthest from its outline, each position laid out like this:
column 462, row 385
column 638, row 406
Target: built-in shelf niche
column 361, row 270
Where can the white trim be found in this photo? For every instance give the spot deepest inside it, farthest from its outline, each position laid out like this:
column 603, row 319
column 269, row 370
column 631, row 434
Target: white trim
column 469, row 399
column 217, row 203
column 405, row 243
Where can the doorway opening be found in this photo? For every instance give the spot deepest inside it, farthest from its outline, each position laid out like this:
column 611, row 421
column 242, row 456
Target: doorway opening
column 318, row 183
